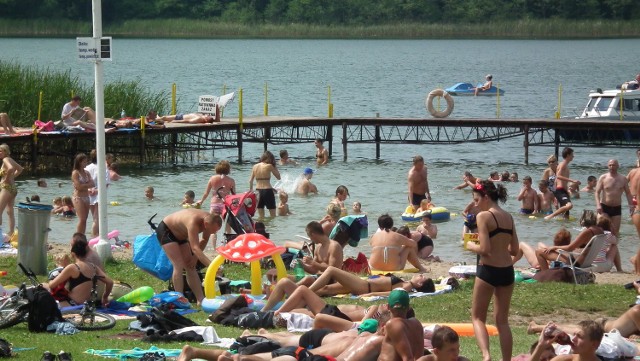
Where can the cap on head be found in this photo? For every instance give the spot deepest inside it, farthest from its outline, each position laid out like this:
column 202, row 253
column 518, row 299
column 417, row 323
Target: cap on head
column 398, row 298
column 368, row 325
column 307, row 171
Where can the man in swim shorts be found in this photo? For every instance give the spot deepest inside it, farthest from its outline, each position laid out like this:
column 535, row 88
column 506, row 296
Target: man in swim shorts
column 191, row 118
column 562, row 180
column 179, row 235
column 418, row 182
column 608, row 195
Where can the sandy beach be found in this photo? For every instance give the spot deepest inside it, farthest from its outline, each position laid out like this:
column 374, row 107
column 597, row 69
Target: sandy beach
column 436, row 269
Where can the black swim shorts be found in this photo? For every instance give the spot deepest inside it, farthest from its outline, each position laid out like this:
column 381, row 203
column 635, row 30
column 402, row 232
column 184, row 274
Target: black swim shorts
column 313, row 338
column 417, row 198
column 266, row 199
column 165, row 236
column 333, row 310
column 611, row 211
column 425, row 241
column 562, row 196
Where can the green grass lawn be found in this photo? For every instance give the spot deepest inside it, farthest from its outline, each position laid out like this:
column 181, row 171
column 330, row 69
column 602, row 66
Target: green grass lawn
column 549, row 301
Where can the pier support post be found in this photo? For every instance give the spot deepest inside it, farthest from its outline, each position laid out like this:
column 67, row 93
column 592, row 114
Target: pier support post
column 34, row 155
column 377, row 132
column 526, row 145
column 172, row 148
column 344, row 141
column 329, row 133
column 557, row 143
column 239, row 141
column 267, row 135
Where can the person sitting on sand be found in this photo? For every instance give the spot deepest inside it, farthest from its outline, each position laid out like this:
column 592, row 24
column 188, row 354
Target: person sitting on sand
column 593, row 226
column 190, row 118
column 6, row 124
column 73, row 285
column 425, row 244
column 390, row 251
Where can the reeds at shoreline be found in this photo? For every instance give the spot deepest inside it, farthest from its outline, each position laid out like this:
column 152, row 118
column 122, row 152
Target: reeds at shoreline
column 188, row 28
column 20, row 88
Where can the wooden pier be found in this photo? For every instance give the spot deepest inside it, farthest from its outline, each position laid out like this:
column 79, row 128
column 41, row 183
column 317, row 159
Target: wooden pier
column 181, row 143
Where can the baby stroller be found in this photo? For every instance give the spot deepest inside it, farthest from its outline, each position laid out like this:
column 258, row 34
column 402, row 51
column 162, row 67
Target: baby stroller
column 237, row 213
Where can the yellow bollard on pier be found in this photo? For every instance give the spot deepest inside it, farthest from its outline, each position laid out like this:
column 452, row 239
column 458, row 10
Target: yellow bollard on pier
column 173, row 98
column 266, row 100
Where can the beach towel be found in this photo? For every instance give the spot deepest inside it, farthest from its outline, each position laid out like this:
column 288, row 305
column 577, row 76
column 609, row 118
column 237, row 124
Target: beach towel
column 134, row 353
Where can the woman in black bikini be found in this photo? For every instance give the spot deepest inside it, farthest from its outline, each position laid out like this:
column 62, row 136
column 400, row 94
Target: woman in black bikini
column 73, row 284
column 261, row 173
column 498, row 242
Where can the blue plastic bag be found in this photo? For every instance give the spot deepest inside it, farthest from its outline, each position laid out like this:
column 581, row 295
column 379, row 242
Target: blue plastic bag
column 150, row 257
column 173, row 297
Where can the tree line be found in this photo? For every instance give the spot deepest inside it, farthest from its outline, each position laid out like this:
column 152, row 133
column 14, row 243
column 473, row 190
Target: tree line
column 326, row 12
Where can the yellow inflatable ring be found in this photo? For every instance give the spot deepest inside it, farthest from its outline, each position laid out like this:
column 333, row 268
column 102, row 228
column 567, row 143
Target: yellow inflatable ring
column 429, row 103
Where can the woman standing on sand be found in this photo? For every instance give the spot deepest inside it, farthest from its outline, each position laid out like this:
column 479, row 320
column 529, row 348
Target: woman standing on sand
column 8, row 190
column 498, row 242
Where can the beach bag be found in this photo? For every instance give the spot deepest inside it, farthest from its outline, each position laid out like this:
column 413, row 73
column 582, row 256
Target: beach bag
column 5, row 348
column 150, row 257
column 43, row 310
column 170, row 320
column 360, row 264
column 249, row 345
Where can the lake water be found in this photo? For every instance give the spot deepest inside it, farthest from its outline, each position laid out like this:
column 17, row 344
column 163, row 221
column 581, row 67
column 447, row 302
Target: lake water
column 389, row 77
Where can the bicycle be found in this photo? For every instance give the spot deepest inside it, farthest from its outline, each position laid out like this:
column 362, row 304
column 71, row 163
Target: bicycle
column 15, row 308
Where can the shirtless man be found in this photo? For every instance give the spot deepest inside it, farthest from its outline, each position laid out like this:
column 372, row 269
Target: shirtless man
column 546, row 198
column 403, row 338
column 562, row 180
column 486, row 86
column 528, row 197
column 327, row 251
column 469, row 181
column 608, row 195
column 179, row 235
column 191, row 118
column 322, row 154
column 633, row 178
column 418, row 182
column 305, row 187
column 591, row 184
column 73, row 114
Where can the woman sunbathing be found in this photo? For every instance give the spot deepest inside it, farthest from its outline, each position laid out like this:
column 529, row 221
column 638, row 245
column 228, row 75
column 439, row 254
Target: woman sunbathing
column 346, row 282
column 191, row 118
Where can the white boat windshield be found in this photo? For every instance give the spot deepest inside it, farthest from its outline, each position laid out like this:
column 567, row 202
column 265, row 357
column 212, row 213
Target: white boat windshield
column 604, row 103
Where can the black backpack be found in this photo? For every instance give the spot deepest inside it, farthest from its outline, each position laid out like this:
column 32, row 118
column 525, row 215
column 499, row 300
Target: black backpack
column 5, row 348
column 43, row 310
column 250, row 345
column 170, row 320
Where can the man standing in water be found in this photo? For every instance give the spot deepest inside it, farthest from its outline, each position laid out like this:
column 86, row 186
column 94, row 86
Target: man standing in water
column 608, row 195
column 418, row 182
column 562, row 180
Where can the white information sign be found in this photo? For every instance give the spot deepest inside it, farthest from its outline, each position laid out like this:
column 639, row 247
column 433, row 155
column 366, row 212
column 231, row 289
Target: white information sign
column 207, row 104
column 87, row 49
column 94, row 49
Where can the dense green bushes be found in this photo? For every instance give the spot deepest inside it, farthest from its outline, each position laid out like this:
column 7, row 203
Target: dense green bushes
column 328, row 12
column 20, row 87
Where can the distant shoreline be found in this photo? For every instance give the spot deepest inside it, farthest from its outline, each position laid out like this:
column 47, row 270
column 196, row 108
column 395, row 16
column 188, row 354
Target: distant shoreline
column 554, row 29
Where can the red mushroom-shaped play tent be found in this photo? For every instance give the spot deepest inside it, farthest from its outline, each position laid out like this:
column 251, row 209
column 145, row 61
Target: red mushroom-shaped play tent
column 248, row 247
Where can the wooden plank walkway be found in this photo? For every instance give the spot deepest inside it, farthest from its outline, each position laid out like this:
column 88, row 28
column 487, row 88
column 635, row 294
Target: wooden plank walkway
column 178, row 142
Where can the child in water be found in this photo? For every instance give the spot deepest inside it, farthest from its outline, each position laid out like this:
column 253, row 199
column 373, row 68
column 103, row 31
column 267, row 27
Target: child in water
column 148, row 193
column 283, row 207
column 425, row 205
column 57, row 205
column 357, row 207
column 189, row 200
column 574, row 191
column 67, row 207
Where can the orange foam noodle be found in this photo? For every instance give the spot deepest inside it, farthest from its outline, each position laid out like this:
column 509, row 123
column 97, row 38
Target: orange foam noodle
column 466, row 329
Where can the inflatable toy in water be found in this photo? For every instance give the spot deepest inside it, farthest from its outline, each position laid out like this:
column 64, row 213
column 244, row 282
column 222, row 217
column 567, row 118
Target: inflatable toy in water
column 438, row 214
